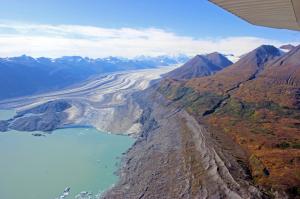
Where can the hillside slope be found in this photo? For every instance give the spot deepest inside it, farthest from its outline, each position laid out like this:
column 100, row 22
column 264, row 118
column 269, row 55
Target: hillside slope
column 256, row 102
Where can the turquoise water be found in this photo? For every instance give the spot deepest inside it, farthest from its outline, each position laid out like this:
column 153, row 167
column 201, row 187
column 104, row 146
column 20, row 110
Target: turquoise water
column 42, row 167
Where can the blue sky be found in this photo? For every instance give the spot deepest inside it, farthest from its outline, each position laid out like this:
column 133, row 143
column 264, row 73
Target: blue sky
column 188, row 21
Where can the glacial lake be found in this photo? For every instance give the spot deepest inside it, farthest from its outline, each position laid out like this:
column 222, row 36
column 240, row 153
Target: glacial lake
column 83, row 159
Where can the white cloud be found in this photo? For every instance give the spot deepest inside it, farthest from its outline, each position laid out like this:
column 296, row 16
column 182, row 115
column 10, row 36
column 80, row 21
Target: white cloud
column 59, row 40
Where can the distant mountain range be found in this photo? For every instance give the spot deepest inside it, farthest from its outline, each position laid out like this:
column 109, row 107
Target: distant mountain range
column 200, row 65
column 25, row 75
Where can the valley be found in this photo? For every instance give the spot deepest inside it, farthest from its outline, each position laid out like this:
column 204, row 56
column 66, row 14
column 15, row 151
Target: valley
column 70, row 149
column 226, row 133
column 150, row 99
column 104, row 103
column 26, row 76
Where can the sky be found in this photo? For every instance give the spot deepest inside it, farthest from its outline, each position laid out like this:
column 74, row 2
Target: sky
column 128, row 28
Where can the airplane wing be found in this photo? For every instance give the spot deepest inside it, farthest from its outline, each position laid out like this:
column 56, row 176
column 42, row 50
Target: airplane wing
column 271, row 13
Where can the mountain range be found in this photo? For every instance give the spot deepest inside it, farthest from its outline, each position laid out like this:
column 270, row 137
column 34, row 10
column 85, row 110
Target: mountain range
column 25, row 75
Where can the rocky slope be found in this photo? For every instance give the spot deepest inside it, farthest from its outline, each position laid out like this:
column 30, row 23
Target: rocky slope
column 255, row 102
column 200, row 65
column 176, row 157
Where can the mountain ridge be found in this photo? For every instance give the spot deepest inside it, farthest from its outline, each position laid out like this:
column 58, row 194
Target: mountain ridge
column 200, row 65
column 246, row 68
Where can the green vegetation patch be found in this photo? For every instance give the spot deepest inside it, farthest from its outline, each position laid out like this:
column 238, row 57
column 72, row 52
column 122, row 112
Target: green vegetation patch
column 288, row 145
column 194, row 102
column 250, row 111
column 258, row 169
column 238, row 109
